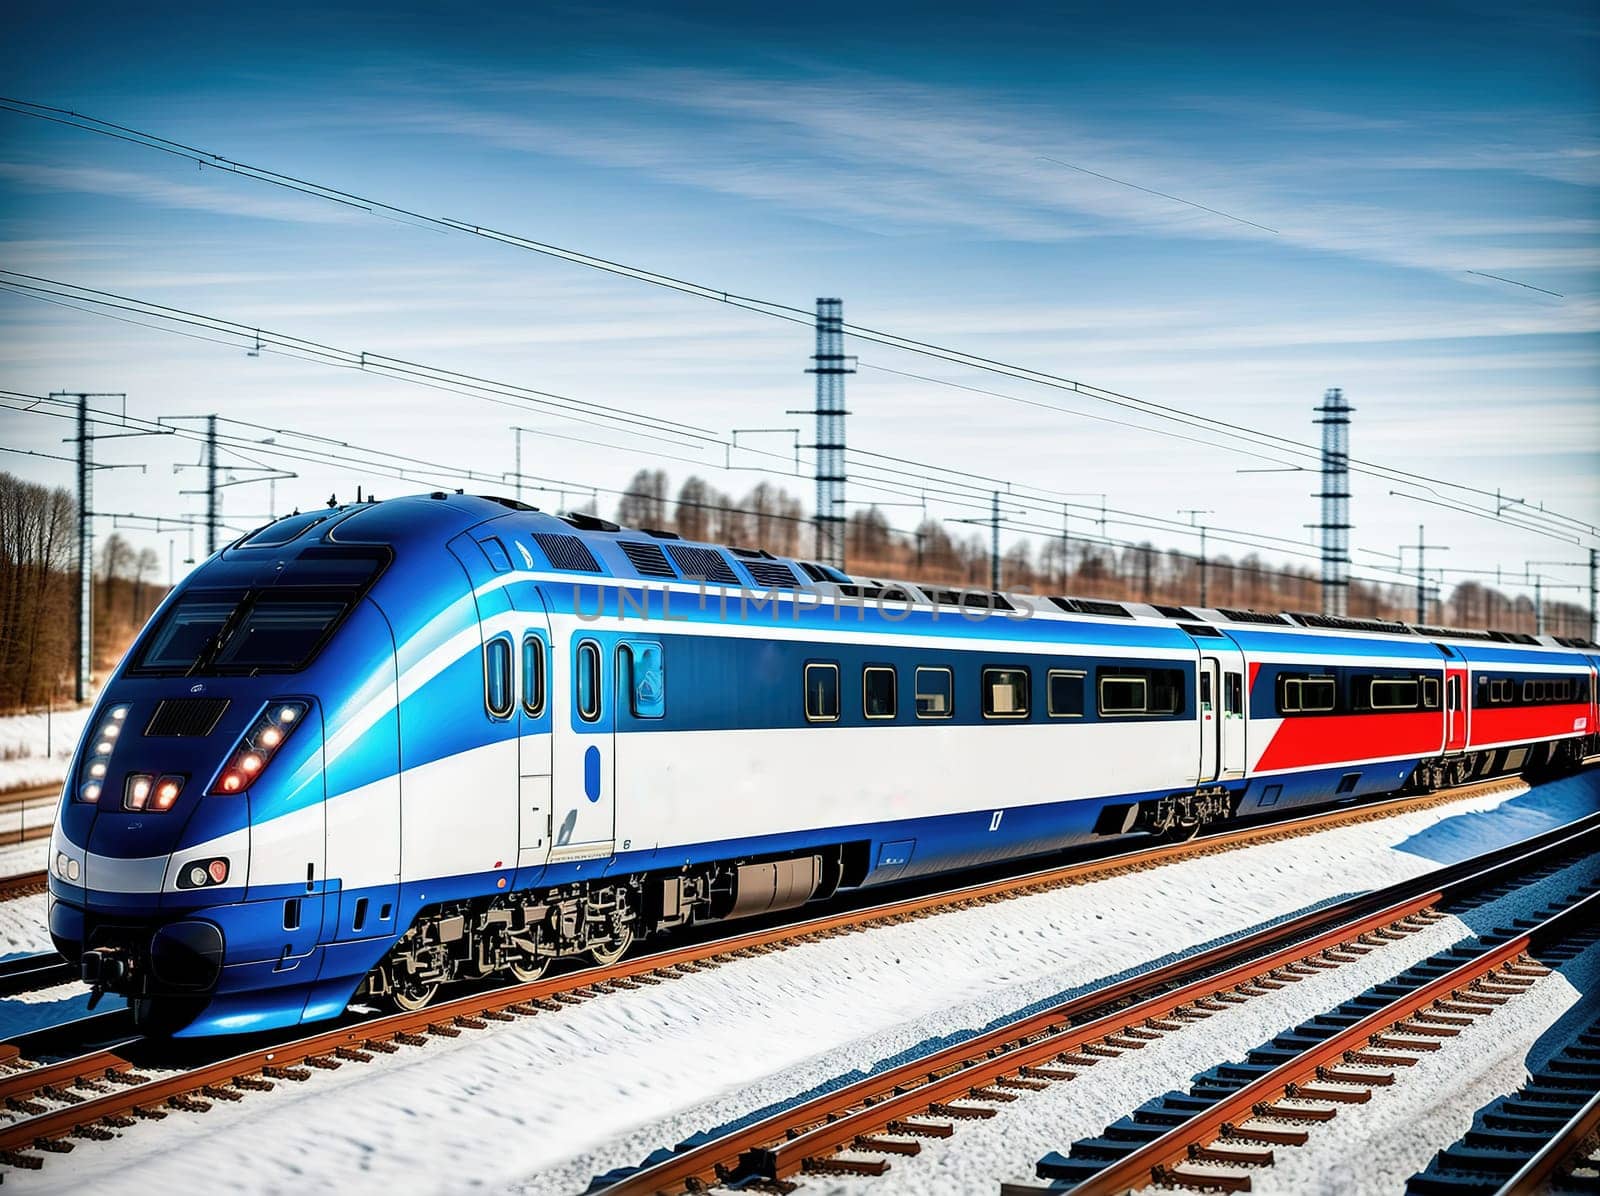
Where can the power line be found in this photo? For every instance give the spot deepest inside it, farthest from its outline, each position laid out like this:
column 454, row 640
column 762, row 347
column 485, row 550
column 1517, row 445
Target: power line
column 771, row 308
column 1151, row 191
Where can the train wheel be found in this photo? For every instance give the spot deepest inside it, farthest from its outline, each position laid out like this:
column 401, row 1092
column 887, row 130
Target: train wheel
column 1182, row 832
column 410, row 994
column 525, row 969
column 608, row 953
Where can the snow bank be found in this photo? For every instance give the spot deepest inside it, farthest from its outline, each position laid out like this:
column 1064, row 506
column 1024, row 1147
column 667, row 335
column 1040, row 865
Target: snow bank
column 24, row 760
column 544, row 1105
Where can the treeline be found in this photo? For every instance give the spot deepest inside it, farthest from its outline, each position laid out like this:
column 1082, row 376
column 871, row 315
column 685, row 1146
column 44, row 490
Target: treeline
column 769, row 517
column 39, row 595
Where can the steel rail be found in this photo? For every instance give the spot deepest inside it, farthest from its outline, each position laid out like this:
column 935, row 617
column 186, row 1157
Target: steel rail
column 1161, row 1161
column 20, row 884
column 781, row 1145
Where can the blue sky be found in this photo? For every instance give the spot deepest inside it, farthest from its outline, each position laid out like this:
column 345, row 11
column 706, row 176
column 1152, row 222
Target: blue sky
column 899, row 158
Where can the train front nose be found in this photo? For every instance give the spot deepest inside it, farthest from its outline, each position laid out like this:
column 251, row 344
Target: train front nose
column 152, row 848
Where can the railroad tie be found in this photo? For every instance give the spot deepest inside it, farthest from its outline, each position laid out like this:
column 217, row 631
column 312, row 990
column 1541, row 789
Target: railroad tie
column 876, row 1142
column 1204, row 1177
column 1024, row 1082
column 839, row 1165
column 917, row 1128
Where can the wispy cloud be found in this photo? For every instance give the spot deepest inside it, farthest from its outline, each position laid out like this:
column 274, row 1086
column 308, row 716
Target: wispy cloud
column 227, row 198
column 895, row 157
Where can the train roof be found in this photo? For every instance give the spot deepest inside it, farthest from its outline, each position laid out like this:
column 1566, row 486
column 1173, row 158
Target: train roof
column 586, row 545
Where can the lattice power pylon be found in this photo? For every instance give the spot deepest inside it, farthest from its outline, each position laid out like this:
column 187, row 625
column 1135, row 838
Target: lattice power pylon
column 1334, row 416
column 830, row 366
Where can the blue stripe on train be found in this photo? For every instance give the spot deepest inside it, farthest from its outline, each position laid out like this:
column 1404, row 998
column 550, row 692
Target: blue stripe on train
column 268, row 969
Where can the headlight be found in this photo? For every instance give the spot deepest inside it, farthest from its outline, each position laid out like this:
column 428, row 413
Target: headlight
column 260, row 743
column 98, row 762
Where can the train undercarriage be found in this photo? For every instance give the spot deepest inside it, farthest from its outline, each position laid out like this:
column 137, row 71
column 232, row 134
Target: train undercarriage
column 520, row 935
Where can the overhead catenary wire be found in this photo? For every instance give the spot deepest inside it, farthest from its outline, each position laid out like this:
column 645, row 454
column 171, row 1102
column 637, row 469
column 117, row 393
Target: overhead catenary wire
column 413, row 469
column 771, row 308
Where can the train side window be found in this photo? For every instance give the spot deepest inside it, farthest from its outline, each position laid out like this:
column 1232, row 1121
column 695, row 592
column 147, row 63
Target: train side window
column 1394, row 693
column 878, row 691
column 1430, row 693
column 645, row 677
column 1564, row 690
column 587, row 681
column 1500, row 691
column 532, row 676
column 1306, row 695
column 822, row 693
column 497, row 677
column 1527, row 691
column 1233, row 693
column 1453, row 693
column 1124, row 695
column 1205, row 692
column 1065, row 693
column 1005, row 693
column 936, row 692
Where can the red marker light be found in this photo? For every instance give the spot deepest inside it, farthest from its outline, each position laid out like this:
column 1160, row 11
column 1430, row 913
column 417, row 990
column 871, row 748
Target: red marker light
column 167, row 792
column 231, row 782
column 218, row 870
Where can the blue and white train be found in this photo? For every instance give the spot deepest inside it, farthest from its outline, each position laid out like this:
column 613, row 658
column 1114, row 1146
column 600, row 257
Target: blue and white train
column 370, row 750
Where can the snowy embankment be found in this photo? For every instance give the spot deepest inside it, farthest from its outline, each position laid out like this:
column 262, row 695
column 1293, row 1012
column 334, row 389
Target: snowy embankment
column 35, row 749
column 546, row 1104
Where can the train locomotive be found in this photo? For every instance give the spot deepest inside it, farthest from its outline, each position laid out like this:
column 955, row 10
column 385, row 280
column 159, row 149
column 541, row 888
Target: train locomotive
column 370, row 750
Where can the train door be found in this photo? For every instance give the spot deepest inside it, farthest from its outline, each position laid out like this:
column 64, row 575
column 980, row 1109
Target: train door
column 1222, row 717
column 534, row 830
column 583, row 726
column 1210, row 718
column 1455, row 704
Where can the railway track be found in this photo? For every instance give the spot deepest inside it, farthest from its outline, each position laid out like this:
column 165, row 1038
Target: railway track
column 17, row 805
column 1333, row 1066
column 80, row 1096
column 1569, row 1161
column 20, row 884
column 857, row 1129
column 1531, row 1140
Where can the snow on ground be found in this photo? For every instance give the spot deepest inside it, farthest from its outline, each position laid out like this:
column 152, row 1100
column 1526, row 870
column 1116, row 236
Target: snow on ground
column 546, row 1104
column 1403, row 1127
column 1006, row 1147
column 22, row 931
column 24, row 761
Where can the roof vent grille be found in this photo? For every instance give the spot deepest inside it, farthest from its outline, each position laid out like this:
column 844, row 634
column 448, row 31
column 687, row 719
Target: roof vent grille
column 702, row 564
column 772, row 574
column 566, row 552
column 648, row 559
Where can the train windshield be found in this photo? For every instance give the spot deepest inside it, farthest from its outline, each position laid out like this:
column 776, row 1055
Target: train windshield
column 189, row 630
column 211, row 633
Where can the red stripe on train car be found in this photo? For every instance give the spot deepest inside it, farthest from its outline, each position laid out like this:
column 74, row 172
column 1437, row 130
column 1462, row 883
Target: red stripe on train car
column 1341, row 738
column 1524, row 724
